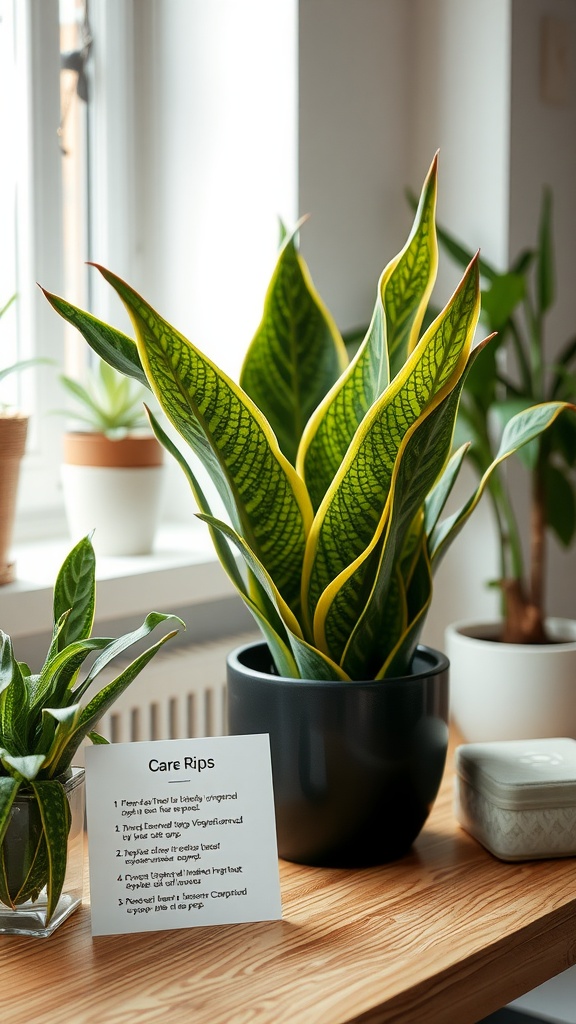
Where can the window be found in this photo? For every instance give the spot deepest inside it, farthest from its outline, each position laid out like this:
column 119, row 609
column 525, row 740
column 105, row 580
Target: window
column 184, row 158
column 44, row 223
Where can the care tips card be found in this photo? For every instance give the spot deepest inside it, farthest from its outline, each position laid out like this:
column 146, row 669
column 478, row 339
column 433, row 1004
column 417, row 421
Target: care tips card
column 181, row 833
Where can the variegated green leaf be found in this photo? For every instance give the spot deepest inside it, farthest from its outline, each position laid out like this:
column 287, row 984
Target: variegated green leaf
column 352, row 509
column 9, row 787
column 59, row 672
column 8, row 790
column 33, row 878
column 367, row 611
column 221, row 547
column 13, row 705
column 113, row 648
column 297, row 353
column 74, row 591
column 60, row 757
column 418, row 598
column 438, row 496
column 55, row 814
column 263, row 495
column 521, row 429
column 26, row 766
column 299, row 659
column 403, row 293
column 7, row 662
column 110, row 344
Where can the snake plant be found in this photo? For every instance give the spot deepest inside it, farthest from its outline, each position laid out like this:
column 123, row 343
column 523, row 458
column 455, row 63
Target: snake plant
column 43, row 720
column 334, row 475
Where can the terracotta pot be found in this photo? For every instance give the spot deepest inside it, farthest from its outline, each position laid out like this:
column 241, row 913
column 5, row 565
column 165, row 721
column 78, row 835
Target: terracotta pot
column 113, row 488
column 13, row 431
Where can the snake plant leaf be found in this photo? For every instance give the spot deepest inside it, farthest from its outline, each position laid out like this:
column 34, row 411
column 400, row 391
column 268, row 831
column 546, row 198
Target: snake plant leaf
column 407, row 283
column 418, row 596
column 403, row 293
column 276, row 637
column 377, row 621
column 97, row 739
column 352, row 509
column 74, row 592
column 221, row 547
column 110, row 344
column 34, row 872
column 283, row 611
column 26, row 766
column 7, row 662
column 100, row 703
column 59, row 672
column 265, row 612
column 14, row 712
column 261, row 490
column 521, row 429
column 297, row 353
column 55, row 814
column 9, row 787
column 439, row 494
column 113, row 648
column 59, row 726
column 299, row 658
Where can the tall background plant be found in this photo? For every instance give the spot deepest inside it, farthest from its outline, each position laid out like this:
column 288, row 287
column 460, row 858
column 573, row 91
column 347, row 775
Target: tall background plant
column 517, row 371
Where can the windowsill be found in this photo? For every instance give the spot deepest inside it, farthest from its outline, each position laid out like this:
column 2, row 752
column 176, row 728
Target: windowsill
column 182, row 570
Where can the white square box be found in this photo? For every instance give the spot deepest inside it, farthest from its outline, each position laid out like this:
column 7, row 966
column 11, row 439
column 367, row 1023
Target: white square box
column 518, row 797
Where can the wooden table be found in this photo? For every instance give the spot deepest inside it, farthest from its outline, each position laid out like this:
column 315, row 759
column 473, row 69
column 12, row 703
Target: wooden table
column 445, row 936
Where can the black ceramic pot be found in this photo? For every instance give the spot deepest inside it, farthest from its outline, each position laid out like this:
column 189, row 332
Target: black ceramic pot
column 356, row 765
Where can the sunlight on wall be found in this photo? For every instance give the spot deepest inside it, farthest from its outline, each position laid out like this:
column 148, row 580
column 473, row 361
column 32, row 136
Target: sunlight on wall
column 230, row 136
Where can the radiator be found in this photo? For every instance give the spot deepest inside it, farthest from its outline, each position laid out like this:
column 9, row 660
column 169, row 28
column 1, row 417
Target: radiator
column 180, row 693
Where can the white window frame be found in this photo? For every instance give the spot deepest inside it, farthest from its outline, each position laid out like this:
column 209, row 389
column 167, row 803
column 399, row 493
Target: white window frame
column 40, row 251
column 40, row 258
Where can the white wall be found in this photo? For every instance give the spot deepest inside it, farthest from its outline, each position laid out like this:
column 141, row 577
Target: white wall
column 353, row 150
column 216, row 123
column 543, row 152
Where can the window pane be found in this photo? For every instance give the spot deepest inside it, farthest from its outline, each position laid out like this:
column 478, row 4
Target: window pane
column 8, row 325
column 74, row 49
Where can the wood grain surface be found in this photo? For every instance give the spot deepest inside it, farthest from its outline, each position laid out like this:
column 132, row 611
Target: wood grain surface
column 444, row 936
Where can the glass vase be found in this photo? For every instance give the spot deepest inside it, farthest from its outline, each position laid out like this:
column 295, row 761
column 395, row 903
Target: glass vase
column 24, row 829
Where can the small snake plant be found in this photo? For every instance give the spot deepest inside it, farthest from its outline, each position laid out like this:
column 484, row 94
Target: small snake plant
column 334, row 475
column 43, row 720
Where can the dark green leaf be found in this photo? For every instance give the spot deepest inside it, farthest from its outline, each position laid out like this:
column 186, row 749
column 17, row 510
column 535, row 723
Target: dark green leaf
column 545, row 265
column 500, row 299
column 560, row 504
column 55, row 813
column 296, row 355
column 75, row 590
column 111, row 345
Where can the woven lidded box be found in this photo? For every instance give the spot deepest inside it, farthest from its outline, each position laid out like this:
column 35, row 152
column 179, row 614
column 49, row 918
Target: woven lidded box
column 518, row 797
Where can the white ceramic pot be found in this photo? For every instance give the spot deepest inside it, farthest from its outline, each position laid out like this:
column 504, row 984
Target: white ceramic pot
column 114, row 488
column 511, row 691
column 121, row 505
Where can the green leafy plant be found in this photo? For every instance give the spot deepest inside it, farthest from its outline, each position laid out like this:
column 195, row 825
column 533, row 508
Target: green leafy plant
column 334, row 476
column 43, row 720
column 106, row 401
column 512, row 374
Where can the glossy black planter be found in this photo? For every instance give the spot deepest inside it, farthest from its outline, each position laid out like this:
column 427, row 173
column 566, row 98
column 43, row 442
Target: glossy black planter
column 356, row 766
